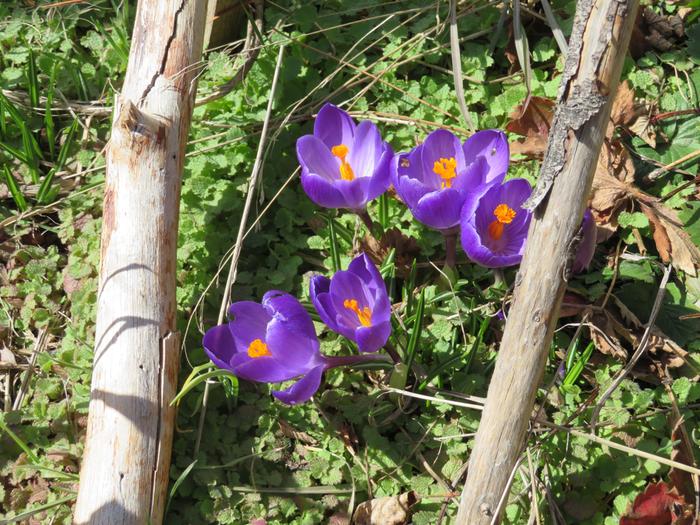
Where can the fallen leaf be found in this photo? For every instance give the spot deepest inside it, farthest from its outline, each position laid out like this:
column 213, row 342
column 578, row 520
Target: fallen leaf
column 614, row 175
column 407, row 249
column 613, row 191
column 532, row 120
column 672, row 241
column 623, row 110
column 292, row 433
column 653, row 507
column 391, row 510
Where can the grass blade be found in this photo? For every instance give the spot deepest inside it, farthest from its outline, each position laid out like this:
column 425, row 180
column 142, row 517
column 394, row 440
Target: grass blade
column 335, row 253
column 32, row 80
column 190, row 384
column 554, row 26
column 16, row 193
column 573, row 374
column 522, row 48
column 416, row 330
column 182, row 477
column 44, row 194
column 49, row 125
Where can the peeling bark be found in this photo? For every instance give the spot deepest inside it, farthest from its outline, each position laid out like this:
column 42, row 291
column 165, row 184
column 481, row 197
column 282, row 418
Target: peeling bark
column 124, row 474
column 599, row 41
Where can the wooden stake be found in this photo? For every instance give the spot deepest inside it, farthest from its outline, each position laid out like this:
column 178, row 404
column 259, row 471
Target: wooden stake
column 597, row 48
column 124, row 473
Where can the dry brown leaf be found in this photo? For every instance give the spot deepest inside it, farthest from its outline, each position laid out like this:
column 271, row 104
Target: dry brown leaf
column 623, row 110
column 292, row 433
column 620, row 325
column 7, row 359
column 392, row 510
column 672, row 241
column 643, row 128
column 613, row 191
column 407, row 249
column 532, row 120
column 682, row 452
column 614, row 174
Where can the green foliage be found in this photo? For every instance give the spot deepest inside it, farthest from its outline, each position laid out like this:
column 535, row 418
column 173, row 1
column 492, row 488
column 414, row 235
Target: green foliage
column 299, row 465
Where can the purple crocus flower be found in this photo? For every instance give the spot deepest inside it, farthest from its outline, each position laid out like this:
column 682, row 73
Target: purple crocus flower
column 494, row 225
column 435, row 177
column 270, row 342
column 343, row 165
column 355, row 304
column 586, row 248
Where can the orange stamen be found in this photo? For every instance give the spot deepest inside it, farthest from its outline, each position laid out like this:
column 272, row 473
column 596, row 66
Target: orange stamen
column 258, row 349
column 446, row 168
column 364, row 315
column 341, row 151
column 504, row 215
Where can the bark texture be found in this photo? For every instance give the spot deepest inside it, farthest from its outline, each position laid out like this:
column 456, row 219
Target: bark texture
column 124, row 474
column 597, row 48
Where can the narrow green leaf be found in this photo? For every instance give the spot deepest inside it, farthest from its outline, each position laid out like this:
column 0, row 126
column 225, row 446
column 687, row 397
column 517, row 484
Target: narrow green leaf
column 32, row 80
column 182, row 477
column 49, row 125
column 43, row 196
column 189, row 385
column 522, row 48
column 581, row 362
column 16, row 193
column 335, row 252
column 416, row 330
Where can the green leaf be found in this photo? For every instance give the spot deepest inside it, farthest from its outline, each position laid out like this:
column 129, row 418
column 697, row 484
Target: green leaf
column 16, row 193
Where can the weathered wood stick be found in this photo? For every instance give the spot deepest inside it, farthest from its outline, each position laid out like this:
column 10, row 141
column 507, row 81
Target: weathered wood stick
column 597, row 47
column 124, row 473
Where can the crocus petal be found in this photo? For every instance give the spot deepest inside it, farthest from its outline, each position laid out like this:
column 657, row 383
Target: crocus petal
column 261, row 369
column 319, row 287
column 363, row 267
column 586, row 248
column 407, row 165
column 315, row 156
column 287, row 309
column 474, row 178
column 478, row 214
column 440, row 209
column 440, row 144
column 372, row 338
column 493, row 145
column 348, row 286
column 333, row 126
column 303, row 389
column 366, row 149
column 248, row 322
column 292, row 349
column 381, row 179
column 321, row 191
column 219, row 346
column 355, row 192
column 412, row 190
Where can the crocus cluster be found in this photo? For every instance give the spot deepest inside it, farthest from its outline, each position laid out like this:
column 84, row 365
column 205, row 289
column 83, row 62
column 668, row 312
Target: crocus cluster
column 275, row 341
column 445, row 183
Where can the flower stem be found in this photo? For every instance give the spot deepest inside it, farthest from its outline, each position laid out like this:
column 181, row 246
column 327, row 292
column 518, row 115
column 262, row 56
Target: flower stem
column 366, row 219
column 499, row 278
column 350, row 360
column 450, row 247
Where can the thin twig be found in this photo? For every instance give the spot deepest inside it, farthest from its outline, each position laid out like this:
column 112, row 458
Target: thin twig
column 233, row 268
column 641, row 348
column 457, row 66
column 41, row 340
column 660, row 171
